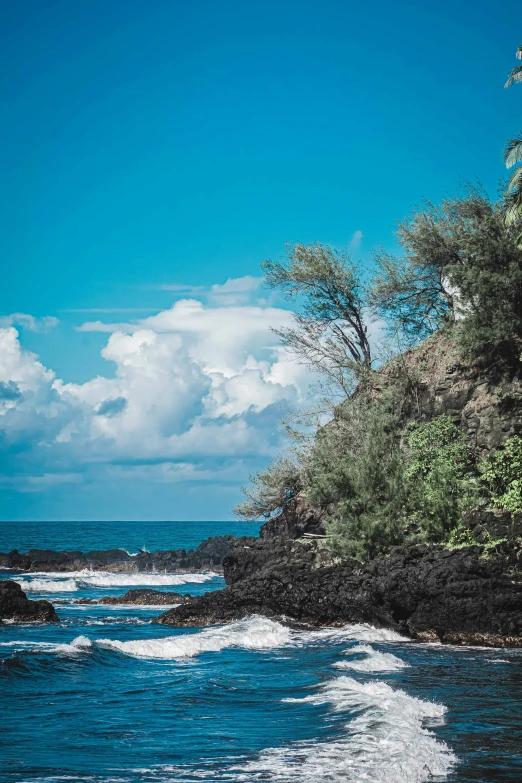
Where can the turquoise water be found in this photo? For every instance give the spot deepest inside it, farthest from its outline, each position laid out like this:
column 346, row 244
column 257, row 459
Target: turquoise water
column 107, row 696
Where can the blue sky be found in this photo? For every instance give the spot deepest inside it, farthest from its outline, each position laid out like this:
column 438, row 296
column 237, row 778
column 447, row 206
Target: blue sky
column 153, row 151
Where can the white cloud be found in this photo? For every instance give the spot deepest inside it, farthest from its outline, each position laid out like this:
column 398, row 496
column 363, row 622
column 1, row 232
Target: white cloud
column 196, row 387
column 43, row 324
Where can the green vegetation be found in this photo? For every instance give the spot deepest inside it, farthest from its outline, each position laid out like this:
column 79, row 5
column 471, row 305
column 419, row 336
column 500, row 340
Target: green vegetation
column 356, row 471
column 271, row 490
column 502, row 475
column 513, row 157
column 461, row 264
column 440, row 476
column 381, row 476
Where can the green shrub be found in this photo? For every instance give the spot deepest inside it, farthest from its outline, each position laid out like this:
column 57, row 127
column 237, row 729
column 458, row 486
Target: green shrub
column 502, row 475
column 355, row 470
column 440, row 477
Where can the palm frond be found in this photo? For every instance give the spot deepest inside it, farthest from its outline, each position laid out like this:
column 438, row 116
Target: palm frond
column 519, row 53
column 513, row 198
column 513, row 151
column 514, row 76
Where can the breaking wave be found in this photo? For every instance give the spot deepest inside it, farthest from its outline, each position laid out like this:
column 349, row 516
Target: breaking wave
column 80, row 644
column 59, row 582
column 47, row 585
column 373, row 661
column 254, row 633
column 387, row 742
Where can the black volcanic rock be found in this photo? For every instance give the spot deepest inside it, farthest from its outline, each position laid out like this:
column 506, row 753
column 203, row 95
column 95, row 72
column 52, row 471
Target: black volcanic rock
column 208, row 555
column 14, row 605
column 296, row 520
column 140, row 597
column 462, row 596
column 248, row 555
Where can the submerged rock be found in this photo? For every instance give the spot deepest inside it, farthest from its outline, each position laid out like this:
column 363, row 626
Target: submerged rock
column 139, row 597
column 462, row 596
column 16, row 606
column 208, row 555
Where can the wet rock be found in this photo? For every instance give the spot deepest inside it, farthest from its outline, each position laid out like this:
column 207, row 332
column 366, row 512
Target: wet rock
column 15, row 606
column 139, row 597
column 455, row 596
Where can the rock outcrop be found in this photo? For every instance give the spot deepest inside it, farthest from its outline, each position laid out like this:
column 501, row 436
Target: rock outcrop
column 249, row 555
column 298, row 519
column 139, row 597
column 464, row 596
column 16, row 606
column 207, row 556
column 486, row 404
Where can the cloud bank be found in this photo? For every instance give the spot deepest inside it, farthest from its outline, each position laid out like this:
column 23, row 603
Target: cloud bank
column 192, row 393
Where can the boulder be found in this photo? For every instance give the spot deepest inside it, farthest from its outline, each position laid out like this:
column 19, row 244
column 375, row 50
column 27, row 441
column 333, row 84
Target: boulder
column 15, row 606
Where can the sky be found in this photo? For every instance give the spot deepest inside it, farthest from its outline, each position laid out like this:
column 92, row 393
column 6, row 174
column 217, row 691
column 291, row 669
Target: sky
column 153, row 154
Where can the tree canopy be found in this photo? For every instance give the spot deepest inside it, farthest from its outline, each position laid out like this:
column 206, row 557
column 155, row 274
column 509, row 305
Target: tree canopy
column 330, row 334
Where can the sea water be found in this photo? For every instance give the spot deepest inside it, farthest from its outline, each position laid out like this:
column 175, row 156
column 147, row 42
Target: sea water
column 108, row 696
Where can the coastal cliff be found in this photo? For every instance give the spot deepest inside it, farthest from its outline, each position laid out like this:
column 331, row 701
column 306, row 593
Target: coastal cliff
column 468, row 591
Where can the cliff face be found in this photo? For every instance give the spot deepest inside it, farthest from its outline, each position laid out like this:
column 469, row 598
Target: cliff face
column 297, row 519
column 486, row 404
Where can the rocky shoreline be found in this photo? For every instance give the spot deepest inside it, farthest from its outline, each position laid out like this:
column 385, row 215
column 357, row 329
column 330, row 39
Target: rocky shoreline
column 208, row 555
column 468, row 595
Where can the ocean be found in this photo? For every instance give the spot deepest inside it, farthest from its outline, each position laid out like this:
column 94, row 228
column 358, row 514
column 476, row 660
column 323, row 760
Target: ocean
column 106, row 696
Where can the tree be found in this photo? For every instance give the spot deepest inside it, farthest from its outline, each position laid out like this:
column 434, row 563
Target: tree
column 270, row 491
column 513, row 157
column 461, row 263
column 331, row 331
column 355, row 470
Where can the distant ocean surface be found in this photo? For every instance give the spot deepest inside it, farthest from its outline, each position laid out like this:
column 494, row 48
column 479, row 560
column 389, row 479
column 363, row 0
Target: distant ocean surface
column 107, row 696
column 86, row 536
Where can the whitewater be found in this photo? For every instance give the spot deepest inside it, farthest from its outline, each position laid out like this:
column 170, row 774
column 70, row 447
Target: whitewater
column 106, row 695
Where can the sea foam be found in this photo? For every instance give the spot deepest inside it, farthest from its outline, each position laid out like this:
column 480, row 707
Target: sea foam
column 374, row 661
column 59, row 582
column 386, row 743
column 79, row 644
column 253, row 633
column 47, row 585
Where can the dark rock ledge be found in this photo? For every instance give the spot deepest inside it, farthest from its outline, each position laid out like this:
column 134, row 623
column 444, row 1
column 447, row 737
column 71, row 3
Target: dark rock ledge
column 16, row 606
column 470, row 595
column 139, row 597
column 207, row 556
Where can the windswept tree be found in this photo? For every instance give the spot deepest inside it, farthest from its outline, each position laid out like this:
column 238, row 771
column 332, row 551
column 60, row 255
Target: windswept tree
column 330, row 332
column 513, row 157
column 270, row 491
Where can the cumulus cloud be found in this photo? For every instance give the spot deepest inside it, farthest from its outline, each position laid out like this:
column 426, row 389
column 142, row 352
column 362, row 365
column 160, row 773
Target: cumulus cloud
column 198, row 391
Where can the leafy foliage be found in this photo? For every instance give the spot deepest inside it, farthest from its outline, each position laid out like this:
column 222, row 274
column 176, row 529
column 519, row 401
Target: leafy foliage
column 331, row 331
column 439, row 476
column 461, row 263
column 270, row 491
column 502, row 475
column 513, row 157
column 355, row 470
